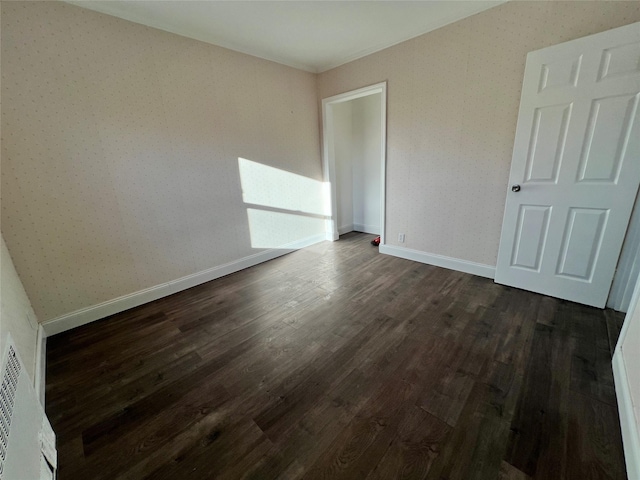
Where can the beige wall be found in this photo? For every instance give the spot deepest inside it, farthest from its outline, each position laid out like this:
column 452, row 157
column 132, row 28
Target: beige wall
column 120, row 152
column 453, row 97
column 16, row 314
column 121, row 142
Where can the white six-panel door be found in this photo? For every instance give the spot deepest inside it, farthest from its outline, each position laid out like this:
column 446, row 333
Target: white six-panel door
column 575, row 169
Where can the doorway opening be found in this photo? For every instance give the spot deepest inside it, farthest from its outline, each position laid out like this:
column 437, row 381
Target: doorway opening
column 354, row 159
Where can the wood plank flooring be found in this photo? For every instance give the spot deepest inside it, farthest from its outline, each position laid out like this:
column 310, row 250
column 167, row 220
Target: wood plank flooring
column 337, row 362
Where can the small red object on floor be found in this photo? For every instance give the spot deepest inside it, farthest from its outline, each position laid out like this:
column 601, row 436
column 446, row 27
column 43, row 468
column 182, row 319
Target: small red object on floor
column 375, row 242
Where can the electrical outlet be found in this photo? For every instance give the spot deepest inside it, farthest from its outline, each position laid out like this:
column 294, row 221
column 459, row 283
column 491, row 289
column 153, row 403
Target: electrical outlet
column 401, row 238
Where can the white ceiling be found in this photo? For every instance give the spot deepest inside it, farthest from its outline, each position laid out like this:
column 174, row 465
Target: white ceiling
column 310, row 35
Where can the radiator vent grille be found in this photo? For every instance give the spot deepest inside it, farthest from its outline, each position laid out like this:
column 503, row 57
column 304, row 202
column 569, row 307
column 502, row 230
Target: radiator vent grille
column 7, row 401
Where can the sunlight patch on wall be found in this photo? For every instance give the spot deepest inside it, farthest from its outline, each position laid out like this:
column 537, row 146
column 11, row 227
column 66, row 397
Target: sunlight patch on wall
column 272, row 187
column 282, row 207
column 279, row 230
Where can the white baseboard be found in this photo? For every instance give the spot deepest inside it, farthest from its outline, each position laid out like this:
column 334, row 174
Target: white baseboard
column 41, row 364
column 125, row 302
column 451, row 263
column 373, row 229
column 628, row 422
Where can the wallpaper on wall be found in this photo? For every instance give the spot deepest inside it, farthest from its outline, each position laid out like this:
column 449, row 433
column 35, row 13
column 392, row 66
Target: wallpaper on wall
column 452, row 105
column 121, row 147
column 122, row 144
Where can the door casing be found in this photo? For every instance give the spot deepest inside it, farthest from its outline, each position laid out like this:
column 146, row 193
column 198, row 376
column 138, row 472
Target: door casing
column 328, row 156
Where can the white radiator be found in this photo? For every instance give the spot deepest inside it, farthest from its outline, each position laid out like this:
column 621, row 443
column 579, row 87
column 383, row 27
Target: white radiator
column 27, row 442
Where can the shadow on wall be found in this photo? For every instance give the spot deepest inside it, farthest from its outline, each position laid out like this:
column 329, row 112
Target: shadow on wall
column 283, row 208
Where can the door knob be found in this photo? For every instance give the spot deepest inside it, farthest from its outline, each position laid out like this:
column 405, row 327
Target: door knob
column 515, row 188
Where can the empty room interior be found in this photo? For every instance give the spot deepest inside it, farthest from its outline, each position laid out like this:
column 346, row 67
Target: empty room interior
column 320, row 239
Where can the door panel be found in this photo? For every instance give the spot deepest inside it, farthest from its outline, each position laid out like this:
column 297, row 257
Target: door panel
column 561, row 73
column 582, row 241
column 620, row 61
column 532, row 234
column 547, row 143
column 577, row 159
column 610, row 123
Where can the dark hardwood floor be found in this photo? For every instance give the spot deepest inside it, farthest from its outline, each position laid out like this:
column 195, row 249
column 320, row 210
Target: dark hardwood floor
column 338, row 362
